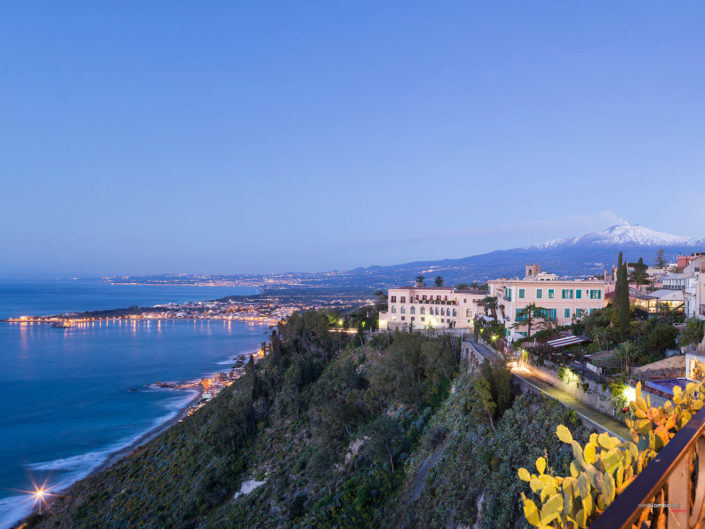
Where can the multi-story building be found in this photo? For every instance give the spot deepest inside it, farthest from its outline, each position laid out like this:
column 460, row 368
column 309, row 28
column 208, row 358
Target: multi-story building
column 694, row 291
column 423, row 307
column 559, row 300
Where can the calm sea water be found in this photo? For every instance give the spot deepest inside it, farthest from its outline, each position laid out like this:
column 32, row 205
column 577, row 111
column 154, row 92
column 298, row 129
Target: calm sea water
column 66, row 393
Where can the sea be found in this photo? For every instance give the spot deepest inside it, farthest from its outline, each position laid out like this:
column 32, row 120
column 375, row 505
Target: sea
column 71, row 397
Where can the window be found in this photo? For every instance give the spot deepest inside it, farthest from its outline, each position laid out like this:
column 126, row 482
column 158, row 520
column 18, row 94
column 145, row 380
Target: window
column 454, row 313
column 578, row 294
column 465, row 300
column 550, row 293
column 423, row 319
column 578, row 313
column 403, row 309
column 423, row 311
column 508, row 293
column 403, row 318
column 436, row 311
column 394, row 299
column 539, row 293
column 403, row 299
column 567, row 293
column 413, row 318
column 443, row 312
column 595, row 294
column 566, row 313
column 522, row 293
column 442, row 320
column 413, row 310
column 394, row 309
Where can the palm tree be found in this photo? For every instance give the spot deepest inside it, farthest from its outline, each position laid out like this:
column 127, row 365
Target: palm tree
column 381, row 298
column 438, row 281
column 527, row 315
column 490, row 303
column 627, row 352
column 600, row 336
column 419, row 280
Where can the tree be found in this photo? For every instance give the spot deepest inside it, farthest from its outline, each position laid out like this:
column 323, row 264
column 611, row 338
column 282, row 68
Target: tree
column 626, row 352
column 618, row 283
column 639, row 275
column 381, row 299
column 490, row 303
column 527, row 315
column 481, row 403
column 693, row 332
column 438, row 281
column 385, row 437
column 660, row 258
column 419, row 280
column 621, row 298
column 463, row 286
column 624, row 310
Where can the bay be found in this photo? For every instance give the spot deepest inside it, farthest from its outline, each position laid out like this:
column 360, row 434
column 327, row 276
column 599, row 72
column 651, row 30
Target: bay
column 68, row 394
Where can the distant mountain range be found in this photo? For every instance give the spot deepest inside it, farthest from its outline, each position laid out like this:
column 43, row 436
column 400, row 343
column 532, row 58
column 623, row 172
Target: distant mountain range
column 579, row 256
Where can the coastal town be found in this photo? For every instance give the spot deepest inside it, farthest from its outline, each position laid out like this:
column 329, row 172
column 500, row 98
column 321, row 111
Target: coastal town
column 267, row 309
column 210, row 387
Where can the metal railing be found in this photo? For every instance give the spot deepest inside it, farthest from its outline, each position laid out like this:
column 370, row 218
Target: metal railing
column 670, row 491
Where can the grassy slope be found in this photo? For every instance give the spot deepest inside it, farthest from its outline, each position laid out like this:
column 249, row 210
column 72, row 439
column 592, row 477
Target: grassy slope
column 365, row 437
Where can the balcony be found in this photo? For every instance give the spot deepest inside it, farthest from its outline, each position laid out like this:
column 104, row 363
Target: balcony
column 670, row 492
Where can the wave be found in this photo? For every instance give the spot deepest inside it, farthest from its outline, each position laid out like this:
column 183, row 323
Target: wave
column 74, row 468
column 13, row 509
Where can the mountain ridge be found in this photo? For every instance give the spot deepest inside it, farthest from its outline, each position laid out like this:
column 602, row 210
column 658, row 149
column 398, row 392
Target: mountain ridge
column 579, row 256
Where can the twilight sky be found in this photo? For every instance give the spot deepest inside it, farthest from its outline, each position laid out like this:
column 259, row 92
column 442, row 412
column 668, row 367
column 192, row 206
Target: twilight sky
column 145, row 137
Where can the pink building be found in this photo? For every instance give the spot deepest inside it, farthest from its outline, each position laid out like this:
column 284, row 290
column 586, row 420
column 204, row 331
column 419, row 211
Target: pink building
column 560, row 300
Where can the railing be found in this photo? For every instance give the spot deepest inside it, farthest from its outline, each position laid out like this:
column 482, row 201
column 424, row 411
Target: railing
column 670, row 491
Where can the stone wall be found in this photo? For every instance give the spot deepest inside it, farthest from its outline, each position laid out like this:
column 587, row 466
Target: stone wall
column 595, row 396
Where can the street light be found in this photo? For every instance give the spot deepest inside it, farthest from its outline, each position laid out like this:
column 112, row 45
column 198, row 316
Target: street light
column 39, row 495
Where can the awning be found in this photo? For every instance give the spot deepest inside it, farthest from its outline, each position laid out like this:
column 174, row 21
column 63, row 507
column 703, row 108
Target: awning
column 567, row 340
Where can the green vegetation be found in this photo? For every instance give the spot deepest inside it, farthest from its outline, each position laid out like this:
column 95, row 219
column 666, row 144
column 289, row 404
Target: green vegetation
column 606, row 466
column 336, row 431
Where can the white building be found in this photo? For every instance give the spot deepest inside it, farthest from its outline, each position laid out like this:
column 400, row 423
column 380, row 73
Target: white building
column 422, row 307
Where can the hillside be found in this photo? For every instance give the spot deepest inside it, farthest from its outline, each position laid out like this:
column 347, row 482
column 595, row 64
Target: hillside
column 329, row 432
column 582, row 255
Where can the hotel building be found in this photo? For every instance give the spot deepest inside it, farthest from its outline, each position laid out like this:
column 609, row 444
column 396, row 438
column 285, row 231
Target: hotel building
column 560, row 300
column 423, row 307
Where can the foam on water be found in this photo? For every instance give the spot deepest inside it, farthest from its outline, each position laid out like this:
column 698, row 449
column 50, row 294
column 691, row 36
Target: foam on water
column 77, row 467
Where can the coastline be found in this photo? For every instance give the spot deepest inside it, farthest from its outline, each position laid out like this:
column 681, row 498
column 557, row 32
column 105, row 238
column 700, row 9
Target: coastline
column 146, row 437
column 123, row 452
column 116, row 456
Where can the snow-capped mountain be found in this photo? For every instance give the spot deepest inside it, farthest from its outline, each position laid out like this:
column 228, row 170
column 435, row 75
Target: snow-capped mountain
column 583, row 255
column 623, row 233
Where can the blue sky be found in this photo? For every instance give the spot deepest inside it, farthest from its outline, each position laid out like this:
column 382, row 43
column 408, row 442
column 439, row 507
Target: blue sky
column 144, row 137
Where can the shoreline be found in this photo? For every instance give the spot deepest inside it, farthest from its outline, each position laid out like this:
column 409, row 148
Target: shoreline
column 115, row 457
column 126, row 451
column 154, row 432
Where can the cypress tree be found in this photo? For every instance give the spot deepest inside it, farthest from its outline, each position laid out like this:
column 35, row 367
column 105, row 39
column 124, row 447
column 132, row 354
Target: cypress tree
column 618, row 284
column 623, row 311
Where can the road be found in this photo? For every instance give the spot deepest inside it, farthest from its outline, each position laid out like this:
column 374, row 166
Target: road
column 599, row 419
